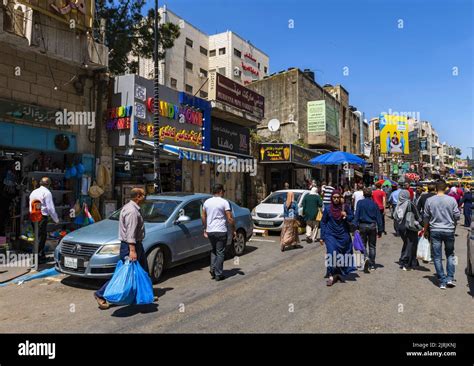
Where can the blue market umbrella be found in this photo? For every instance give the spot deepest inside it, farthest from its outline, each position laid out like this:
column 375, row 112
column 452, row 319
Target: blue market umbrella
column 337, row 158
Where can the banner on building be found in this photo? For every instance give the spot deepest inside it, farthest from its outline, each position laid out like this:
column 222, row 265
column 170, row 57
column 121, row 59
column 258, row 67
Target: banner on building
column 79, row 13
column 393, row 134
column 322, row 117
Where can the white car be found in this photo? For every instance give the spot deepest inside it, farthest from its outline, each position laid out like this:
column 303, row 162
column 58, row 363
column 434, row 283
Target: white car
column 268, row 215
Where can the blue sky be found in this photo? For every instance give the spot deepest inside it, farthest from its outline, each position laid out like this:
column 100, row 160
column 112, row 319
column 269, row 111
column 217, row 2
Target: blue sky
column 405, row 70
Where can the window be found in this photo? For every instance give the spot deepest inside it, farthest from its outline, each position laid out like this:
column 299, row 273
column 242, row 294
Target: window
column 189, row 65
column 221, row 70
column 343, row 117
column 344, row 148
column 280, row 197
column 265, row 69
column 203, row 72
column 193, row 210
column 354, row 138
column 189, row 89
column 212, row 53
column 237, row 53
column 203, row 94
column 174, row 83
column 189, row 42
column 222, row 51
column 259, row 65
column 203, row 50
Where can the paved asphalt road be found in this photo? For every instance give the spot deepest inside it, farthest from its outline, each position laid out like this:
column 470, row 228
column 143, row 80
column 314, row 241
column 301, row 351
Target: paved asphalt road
column 267, row 291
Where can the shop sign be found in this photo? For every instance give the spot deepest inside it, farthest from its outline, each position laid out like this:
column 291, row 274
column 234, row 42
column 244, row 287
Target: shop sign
column 168, row 132
column 301, row 155
column 322, row 117
column 230, row 137
column 275, row 153
column 32, row 113
column 250, row 57
column 119, row 118
column 250, row 68
column 225, row 90
column 76, row 13
column 172, row 111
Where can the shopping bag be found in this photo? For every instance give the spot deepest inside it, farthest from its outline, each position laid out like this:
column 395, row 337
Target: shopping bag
column 424, row 249
column 121, row 289
column 357, row 243
column 144, row 286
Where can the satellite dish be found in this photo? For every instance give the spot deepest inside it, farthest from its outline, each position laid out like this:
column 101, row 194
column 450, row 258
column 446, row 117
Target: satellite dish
column 273, row 125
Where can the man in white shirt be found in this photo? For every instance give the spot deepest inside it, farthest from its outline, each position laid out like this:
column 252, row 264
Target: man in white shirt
column 216, row 214
column 43, row 194
column 358, row 195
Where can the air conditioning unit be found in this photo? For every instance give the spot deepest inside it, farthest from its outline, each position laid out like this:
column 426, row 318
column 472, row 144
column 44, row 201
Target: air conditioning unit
column 201, row 75
column 237, row 72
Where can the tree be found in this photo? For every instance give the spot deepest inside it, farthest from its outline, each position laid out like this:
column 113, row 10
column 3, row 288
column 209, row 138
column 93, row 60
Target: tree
column 458, row 151
column 129, row 33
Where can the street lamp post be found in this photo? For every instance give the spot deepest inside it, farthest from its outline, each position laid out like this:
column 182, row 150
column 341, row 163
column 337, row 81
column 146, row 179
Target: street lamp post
column 156, row 107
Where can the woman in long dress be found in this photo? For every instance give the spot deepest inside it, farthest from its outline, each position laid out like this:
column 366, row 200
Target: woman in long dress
column 335, row 234
column 289, row 232
column 410, row 237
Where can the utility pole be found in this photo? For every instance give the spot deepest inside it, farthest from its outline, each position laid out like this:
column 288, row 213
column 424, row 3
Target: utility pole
column 156, row 108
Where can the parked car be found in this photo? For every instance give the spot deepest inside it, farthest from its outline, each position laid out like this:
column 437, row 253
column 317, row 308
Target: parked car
column 173, row 235
column 268, row 215
column 470, row 250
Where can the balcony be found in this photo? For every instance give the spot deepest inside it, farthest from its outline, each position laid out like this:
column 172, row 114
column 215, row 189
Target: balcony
column 28, row 30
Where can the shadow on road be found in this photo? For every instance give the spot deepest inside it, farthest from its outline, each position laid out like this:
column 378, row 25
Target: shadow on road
column 199, row 265
column 433, row 279
column 131, row 310
column 233, row 272
column 83, row 283
column 470, row 283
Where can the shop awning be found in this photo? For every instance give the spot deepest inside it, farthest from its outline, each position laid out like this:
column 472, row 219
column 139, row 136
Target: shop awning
column 191, row 154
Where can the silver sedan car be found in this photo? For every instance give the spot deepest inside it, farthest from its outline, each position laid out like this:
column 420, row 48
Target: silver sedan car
column 173, row 235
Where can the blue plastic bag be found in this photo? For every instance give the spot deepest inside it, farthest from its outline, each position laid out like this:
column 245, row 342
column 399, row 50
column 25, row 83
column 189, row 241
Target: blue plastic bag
column 144, row 286
column 121, row 289
column 357, row 242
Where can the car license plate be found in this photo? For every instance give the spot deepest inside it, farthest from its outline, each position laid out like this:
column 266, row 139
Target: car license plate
column 266, row 223
column 70, row 262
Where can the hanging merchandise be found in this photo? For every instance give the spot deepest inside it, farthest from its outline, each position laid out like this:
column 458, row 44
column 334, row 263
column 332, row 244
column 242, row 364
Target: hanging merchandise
column 95, row 191
column 103, row 176
column 85, row 185
column 95, row 213
column 88, row 217
column 80, row 170
column 77, row 208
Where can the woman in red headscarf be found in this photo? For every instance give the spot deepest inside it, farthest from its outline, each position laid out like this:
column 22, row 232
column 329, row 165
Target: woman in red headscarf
column 335, row 234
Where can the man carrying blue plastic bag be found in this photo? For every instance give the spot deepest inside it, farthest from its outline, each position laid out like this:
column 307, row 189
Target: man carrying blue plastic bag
column 131, row 234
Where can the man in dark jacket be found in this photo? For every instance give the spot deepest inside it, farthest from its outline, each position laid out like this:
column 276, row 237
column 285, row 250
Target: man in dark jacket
column 312, row 203
column 368, row 221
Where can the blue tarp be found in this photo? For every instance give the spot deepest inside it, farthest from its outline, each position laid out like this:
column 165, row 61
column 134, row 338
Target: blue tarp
column 337, row 158
column 42, row 274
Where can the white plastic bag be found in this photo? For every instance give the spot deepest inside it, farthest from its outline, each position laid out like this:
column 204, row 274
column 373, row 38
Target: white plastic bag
column 424, row 249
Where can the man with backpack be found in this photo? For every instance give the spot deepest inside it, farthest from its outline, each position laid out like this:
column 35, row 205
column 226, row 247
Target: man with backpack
column 41, row 208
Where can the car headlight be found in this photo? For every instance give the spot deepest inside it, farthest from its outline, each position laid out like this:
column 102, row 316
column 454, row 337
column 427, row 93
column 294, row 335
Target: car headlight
column 113, row 249
column 253, row 212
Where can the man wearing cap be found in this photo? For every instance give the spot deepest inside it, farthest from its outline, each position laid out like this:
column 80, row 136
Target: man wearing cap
column 44, row 196
column 216, row 214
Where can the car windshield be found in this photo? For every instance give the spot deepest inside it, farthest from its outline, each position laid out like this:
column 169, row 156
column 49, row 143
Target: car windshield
column 153, row 211
column 280, row 198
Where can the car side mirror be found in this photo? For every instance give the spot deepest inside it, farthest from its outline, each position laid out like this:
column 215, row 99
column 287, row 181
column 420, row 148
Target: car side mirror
column 182, row 219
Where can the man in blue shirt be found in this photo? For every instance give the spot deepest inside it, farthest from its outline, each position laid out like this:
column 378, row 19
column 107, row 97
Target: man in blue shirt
column 368, row 221
column 393, row 200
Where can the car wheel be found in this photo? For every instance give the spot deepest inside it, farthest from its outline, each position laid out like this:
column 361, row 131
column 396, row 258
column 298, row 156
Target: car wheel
column 156, row 264
column 238, row 245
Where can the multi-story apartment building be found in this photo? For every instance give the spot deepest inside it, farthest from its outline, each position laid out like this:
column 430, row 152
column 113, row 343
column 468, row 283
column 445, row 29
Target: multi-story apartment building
column 195, row 54
column 351, row 122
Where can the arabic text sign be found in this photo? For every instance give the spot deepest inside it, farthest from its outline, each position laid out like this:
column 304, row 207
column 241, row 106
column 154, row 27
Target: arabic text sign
column 316, row 116
column 275, row 153
column 225, row 90
column 230, row 137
